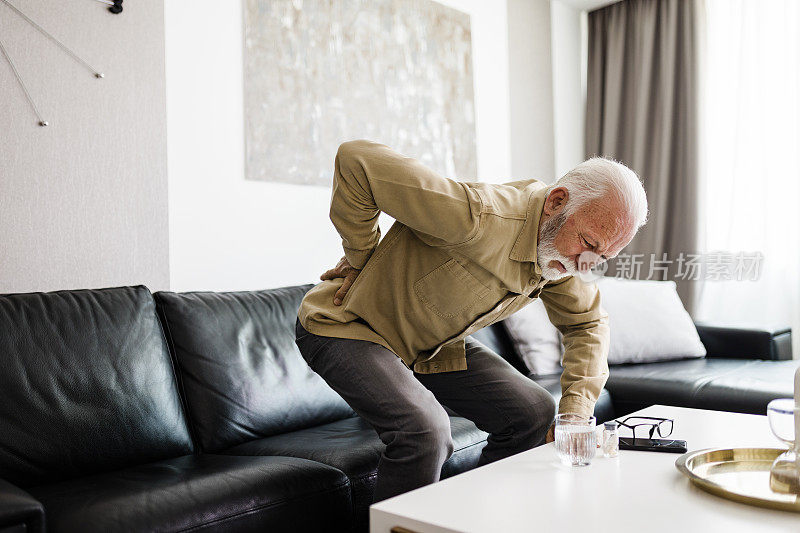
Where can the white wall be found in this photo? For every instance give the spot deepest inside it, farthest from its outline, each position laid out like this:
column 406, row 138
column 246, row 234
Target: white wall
column 227, row 233
column 83, row 201
column 490, row 67
column 569, row 101
column 546, row 87
column 531, row 89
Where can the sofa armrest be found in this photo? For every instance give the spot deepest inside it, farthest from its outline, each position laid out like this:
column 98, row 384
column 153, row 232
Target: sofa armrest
column 746, row 343
column 19, row 511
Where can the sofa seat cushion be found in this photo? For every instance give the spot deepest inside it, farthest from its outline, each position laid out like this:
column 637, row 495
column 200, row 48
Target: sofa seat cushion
column 670, row 383
column 353, row 446
column 603, row 409
column 749, row 388
column 202, row 493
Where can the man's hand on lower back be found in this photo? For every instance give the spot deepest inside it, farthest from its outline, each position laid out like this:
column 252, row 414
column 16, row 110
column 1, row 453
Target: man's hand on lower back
column 343, row 269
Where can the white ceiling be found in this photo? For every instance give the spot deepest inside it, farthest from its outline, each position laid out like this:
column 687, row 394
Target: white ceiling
column 588, row 5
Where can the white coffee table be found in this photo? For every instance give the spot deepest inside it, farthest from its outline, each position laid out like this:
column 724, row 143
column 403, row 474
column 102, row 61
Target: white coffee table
column 638, row 491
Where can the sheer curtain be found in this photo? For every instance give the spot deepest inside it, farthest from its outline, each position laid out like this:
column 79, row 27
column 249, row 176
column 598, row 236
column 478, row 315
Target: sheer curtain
column 750, row 134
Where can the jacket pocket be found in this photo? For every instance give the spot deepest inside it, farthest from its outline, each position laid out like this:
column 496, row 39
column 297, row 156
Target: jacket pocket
column 449, row 290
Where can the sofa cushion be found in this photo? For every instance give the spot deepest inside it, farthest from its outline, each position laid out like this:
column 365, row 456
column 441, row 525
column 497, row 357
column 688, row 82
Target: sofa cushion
column 203, row 492
column 536, row 339
column 670, row 382
column 749, row 387
column 87, row 385
column 353, row 446
column 648, row 322
column 241, row 371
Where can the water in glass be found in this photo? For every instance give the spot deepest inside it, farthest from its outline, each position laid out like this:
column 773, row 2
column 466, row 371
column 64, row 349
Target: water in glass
column 575, row 442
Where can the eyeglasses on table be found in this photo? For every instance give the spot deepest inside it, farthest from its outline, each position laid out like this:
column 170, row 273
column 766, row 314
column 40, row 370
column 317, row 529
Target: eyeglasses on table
column 662, row 426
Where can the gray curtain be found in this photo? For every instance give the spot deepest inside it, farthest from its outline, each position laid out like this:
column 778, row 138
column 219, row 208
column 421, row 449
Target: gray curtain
column 643, row 93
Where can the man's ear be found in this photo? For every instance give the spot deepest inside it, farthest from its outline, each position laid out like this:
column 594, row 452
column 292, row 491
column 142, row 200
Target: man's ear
column 556, row 201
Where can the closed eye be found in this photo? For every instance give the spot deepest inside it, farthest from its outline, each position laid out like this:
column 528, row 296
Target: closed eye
column 591, row 247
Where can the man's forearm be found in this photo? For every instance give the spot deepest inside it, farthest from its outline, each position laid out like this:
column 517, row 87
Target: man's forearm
column 370, row 178
column 585, row 366
column 353, row 210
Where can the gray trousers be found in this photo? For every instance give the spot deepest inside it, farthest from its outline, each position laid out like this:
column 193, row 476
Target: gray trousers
column 405, row 407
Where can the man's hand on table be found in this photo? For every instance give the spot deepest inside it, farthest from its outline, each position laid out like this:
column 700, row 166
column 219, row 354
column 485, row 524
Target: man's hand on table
column 551, row 433
column 343, row 269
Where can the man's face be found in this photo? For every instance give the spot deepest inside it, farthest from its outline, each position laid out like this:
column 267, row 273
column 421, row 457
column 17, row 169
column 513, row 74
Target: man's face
column 599, row 230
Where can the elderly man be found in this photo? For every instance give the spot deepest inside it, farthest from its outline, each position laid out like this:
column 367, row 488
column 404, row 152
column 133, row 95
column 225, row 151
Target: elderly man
column 387, row 328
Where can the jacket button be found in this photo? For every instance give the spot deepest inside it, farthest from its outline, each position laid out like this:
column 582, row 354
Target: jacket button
column 532, row 281
column 436, row 367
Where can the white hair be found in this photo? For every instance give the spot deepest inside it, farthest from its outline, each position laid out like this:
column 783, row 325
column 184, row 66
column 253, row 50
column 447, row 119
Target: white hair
column 598, row 177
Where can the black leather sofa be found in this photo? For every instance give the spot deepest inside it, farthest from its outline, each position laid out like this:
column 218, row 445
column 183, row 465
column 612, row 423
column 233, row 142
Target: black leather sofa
column 744, row 369
column 127, row 411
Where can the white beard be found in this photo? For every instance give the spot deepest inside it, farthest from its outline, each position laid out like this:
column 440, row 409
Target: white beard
column 546, row 250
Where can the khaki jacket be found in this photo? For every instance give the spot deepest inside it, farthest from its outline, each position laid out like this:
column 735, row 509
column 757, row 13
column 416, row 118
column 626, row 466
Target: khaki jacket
column 459, row 257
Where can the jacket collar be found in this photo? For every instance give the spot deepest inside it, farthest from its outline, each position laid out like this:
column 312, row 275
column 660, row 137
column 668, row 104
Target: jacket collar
column 524, row 248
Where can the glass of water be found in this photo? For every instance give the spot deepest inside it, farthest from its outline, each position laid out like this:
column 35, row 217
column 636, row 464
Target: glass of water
column 575, row 439
column 784, row 475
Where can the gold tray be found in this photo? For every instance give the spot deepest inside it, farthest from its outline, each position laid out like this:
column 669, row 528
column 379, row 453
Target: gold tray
column 738, row 474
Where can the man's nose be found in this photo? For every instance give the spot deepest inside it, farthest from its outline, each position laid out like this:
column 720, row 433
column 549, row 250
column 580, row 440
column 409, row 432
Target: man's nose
column 589, row 260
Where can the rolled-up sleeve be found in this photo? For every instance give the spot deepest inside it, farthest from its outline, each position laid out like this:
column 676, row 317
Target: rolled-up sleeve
column 574, row 309
column 370, row 178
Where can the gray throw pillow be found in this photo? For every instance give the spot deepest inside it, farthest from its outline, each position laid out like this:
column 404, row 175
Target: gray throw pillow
column 648, row 322
column 536, row 340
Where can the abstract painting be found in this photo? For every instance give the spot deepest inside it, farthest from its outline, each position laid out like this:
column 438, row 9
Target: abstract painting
column 321, row 72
